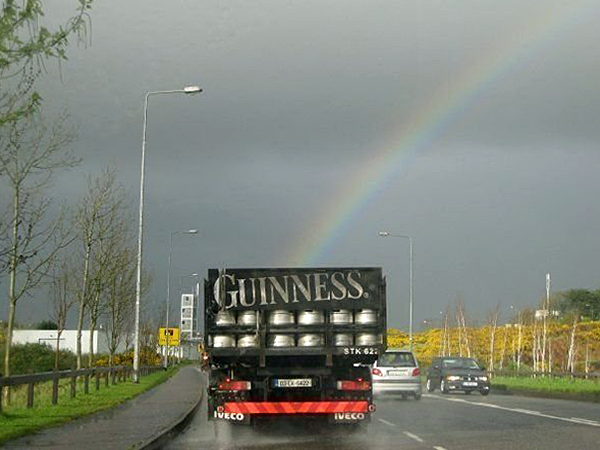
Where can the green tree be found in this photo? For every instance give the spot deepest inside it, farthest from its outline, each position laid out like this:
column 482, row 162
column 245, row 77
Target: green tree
column 25, row 46
column 583, row 302
column 46, row 325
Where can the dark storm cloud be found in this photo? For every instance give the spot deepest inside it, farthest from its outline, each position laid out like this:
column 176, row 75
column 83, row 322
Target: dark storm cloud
column 300, row 95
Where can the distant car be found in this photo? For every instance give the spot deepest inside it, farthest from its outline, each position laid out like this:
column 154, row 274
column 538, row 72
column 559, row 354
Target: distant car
column 457, row 374
column 397, row 372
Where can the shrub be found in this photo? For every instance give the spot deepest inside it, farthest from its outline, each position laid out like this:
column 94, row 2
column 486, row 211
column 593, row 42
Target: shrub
column 34, row 358
column 148, row 357
column 46, row 325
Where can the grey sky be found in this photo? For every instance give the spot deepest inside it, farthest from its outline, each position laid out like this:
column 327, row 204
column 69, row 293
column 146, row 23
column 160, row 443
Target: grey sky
column 299, row 94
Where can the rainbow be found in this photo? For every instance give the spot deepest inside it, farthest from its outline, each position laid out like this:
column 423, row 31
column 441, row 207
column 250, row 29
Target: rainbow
column 427, row 125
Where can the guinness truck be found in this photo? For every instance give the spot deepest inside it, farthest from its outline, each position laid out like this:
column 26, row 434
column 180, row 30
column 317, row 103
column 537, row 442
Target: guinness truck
column 293, row 342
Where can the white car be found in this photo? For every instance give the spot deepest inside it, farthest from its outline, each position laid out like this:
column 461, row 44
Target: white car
column 397, row 372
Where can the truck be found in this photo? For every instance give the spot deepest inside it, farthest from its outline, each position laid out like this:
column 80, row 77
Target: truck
column 293, row 342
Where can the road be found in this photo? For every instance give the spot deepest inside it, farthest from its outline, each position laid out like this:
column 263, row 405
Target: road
column 436, row 422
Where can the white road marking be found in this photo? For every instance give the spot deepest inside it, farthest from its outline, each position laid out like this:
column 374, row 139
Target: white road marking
column 519, row 410
column 413, row 436
column 437, row 447
column 387, row 423
column 591, row 422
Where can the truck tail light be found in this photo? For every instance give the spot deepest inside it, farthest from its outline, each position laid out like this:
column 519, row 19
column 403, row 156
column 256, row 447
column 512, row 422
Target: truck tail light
column 231, row 385
column 377, row 372
column 416, row 372
column 348, row 385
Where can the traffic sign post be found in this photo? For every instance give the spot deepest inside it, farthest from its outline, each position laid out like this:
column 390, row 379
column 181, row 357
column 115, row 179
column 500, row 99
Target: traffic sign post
column 173, row 337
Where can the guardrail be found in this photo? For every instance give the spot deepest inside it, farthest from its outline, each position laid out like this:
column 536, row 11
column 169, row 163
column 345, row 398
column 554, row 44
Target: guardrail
column 114, row 374
column 526, row 374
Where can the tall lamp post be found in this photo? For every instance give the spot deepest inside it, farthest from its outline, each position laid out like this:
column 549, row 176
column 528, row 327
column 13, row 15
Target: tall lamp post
column 195, row 294
column 138, row 285
column 173, row 233
column 183, row 277
column 410, row 304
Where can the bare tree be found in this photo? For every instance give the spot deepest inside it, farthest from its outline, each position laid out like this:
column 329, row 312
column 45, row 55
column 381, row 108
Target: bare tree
column 544, row 339
column 503, row 351
column 30, row 153
column 4, row 241
column 96, row 308
column 572, row 346
column 550, row 353
column 463, row 333
column 493, row 326
column 519, row 339
column 120, row 299
column 587, row 358
column 445, row 347
column 108, row 262
column 95, row 214
column 62, row 298
column 535, row 350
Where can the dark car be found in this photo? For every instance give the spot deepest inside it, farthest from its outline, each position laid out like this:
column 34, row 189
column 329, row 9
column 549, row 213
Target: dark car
column 457, row 374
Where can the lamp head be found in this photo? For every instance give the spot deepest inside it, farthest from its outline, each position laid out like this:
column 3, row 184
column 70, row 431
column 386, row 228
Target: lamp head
column 384, row 233
column 192, row 90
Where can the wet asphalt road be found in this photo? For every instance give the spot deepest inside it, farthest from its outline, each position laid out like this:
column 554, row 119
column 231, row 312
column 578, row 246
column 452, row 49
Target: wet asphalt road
column 440, row 422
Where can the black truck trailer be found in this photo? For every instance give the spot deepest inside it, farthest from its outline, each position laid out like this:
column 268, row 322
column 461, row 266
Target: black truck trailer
column 293, row 342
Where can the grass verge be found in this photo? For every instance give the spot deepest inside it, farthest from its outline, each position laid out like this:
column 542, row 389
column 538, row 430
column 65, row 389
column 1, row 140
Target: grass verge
column 17, row 421
column 576, row 389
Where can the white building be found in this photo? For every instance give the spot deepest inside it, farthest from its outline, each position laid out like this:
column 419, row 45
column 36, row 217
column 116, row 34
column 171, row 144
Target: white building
column 541, row 313
column 68, row 340
column 189, row 317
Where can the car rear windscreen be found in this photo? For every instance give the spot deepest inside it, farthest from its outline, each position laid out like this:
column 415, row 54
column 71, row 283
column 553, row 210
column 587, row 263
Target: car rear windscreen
column 460, row 363
column 396, row 359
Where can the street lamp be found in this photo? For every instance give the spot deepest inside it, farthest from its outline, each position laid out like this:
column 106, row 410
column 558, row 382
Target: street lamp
column 173, row 233
column 183, row 277
column 410, row 304
column 138, row 285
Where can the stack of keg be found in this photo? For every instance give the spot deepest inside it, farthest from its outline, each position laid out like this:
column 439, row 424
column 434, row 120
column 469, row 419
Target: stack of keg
column 227, row 319
column 283, row 318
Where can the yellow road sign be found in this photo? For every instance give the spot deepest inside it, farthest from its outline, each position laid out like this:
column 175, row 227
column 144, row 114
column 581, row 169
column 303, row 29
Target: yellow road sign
column 172, row 333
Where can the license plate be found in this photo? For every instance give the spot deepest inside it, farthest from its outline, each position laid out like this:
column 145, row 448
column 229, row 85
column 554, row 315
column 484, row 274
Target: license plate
column 470, row 383
column 397, row 373
column 292, row 383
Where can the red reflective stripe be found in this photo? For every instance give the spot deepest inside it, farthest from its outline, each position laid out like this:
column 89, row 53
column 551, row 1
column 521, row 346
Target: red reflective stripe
column 295, row 407
column 271, row 407
column 262, row 408
column 304, row 408
column 234, row 408
column 251, row 408
column 313, row 407
column 334, row 407
column 288, row 408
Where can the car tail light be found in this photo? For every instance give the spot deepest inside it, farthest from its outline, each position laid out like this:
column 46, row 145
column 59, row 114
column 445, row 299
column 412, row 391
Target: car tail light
column 348, row 385
column 416, row 372
column 231, row 385
column 377, row 372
